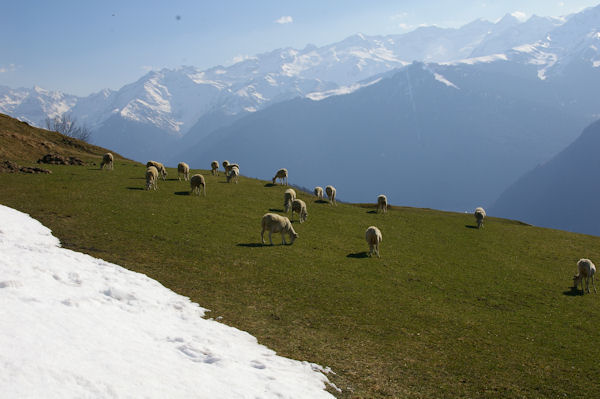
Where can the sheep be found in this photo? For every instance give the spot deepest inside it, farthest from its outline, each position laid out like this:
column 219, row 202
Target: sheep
column 107, row 160
column 299, row 207
column 585, row 268
column 382, row 203
column 231, row 166
column 277, row 224
column 195, row 182
column 330, row 190
column 318, row 192
column 479, row 216
column 288, row 196
column 225, row 163
column 374, row 238
column 184, row 168
column 214, row 165
column 234, row 173
column 151, row 178
column 160, row 167
column 282, row 175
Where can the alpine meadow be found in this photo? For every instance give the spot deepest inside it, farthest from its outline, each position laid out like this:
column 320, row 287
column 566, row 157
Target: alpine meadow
column 300, row 200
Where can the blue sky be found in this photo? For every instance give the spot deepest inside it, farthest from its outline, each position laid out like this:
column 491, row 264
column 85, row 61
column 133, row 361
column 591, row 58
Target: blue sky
column 83, row 46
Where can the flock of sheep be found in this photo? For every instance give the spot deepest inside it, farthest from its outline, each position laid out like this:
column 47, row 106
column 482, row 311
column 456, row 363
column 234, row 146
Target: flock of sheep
column 274, row 223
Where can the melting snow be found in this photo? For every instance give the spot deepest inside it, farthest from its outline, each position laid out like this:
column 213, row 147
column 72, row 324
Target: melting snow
column 320, row 95
column 478, row 60
column 445, row 81
column 75, row 326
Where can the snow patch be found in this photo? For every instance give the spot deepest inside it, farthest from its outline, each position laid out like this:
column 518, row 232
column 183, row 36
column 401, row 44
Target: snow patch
column 318, row 96
column 478, row 60
column 77, row 326
column 445, row 81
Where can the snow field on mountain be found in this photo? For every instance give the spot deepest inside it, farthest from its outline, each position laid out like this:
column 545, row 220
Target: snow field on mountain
column 75, row 326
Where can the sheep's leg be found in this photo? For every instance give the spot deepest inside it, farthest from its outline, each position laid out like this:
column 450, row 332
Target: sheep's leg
column 587, row 284
column 270, row 239
column 262, row 235
column 594, row 285
column 283, row 238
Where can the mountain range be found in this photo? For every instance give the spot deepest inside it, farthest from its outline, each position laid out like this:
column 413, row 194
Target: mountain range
column 561, row 193
column 437, row 117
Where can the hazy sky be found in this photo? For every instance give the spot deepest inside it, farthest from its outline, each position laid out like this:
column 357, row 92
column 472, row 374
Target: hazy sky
column 82, row 46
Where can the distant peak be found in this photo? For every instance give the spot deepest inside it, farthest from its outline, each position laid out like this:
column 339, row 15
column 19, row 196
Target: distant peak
column 511, row 18
column 39, row 89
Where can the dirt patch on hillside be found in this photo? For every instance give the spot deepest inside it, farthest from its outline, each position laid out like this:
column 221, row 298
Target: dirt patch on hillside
column 12, row 167
column 55, row 159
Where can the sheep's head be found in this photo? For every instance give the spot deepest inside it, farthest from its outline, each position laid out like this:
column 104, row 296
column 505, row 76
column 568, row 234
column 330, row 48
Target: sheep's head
column 274, row 179
column 576, row 279
column 293, row 236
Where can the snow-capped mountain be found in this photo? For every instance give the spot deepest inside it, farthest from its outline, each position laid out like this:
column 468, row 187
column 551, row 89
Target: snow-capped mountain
column 36, row 104
column 174, row 99
column 190, row 103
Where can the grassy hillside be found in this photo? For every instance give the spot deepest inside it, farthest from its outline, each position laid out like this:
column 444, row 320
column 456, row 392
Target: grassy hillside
column 24, row 143
column 448, row 310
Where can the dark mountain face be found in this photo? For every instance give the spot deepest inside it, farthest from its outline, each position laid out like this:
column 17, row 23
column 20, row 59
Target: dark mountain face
column 140, row 141
column 563, row 193
column 413, row 136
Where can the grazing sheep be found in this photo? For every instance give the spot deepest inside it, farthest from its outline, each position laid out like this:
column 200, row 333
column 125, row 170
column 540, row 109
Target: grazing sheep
column 231, row 166
column 214, row 165
column 299, row 207
column 330, row 190
column 382, row 203
column 479, row 216
column 183, row 168
column 225, row 163
column 160, row 167
column 234, row 173
column 107, row 160
column 585, row 268
column 277, row 224
column 288, row 196
column 195, row 182
column 319, row 192
column 374, row 238
column 151, row 177
column 282, row 175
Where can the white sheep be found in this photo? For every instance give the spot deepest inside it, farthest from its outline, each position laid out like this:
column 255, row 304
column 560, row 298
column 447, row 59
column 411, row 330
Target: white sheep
column 231, row 166
column 382, row 203
column 234, row 174
column 151, row 177
column 183, row 168
column 195, row 182
column 299, row 207
column 214, row 165
column 288, row 196
column 330, row 190
column 479, row 216
column 374, row 238
column 225, row 163
column 282, row 175
column 318, row 192
column 277, row 224
column 107, row 160
column 585, row 268
column 160, row 167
